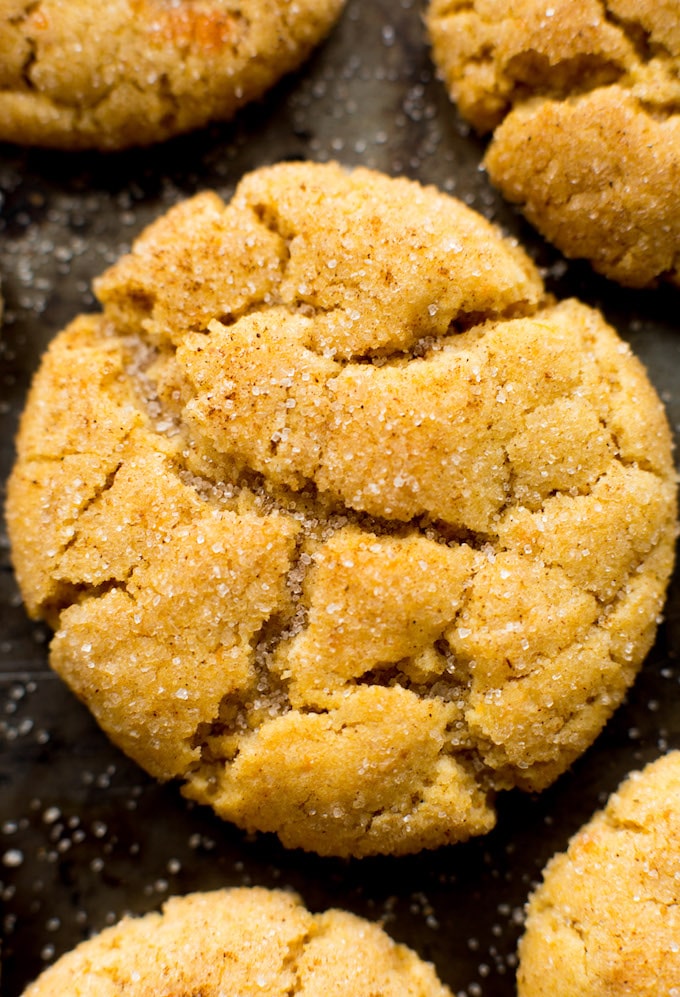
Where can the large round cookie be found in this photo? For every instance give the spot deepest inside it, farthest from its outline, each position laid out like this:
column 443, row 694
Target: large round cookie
column 336, row 518
column 250, row 942
column 584, row 98
column 76, row 74
column 606, row 920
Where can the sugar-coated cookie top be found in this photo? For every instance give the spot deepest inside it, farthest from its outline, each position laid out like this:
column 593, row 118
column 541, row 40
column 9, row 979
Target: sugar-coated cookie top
column 496, row 54
column 76, row 74
column 251, row 942
column 584, row 99
column 336, row 518
column 606, row 920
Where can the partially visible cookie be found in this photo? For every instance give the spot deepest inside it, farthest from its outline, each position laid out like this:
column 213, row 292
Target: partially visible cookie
column 583, row 99
column 77, row 75
column 337, row 519
column 251, row 942
column 606, row 920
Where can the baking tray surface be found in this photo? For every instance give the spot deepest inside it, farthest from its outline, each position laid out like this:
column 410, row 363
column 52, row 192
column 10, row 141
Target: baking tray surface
column 85, row 835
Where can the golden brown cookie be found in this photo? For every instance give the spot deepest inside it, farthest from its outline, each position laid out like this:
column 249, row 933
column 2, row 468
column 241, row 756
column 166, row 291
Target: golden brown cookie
column 583, row 98
column 606, row 920
column 336, row 518
column 77, row 75
column 251, row 942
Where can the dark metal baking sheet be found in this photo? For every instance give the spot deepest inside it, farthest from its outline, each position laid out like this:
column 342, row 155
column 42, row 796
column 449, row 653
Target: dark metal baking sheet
column 85, row 835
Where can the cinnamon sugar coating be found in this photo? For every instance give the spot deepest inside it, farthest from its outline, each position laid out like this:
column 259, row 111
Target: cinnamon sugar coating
column 583, row 99
column 339, row 520
column 77, row 75
column 252, row 942
column 606, row 920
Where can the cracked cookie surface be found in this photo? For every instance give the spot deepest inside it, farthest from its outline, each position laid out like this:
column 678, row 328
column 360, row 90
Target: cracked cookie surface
column 240, row 941
column 336, row 517
column 75, row 75
column 606, row 919
column 583, row 99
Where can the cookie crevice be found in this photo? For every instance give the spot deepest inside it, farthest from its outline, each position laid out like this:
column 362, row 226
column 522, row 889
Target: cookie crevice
column 278, row 539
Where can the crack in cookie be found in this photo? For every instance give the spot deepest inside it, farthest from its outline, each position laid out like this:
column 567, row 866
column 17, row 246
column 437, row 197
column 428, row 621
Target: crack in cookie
column 235, row 940
column 263, row 552
column 583, row 102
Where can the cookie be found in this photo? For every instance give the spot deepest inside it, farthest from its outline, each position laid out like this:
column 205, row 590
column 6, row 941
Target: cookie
column 337, row 518
column 75, row 75
column 244, row 941
column 606, row 920
column 582, row 99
